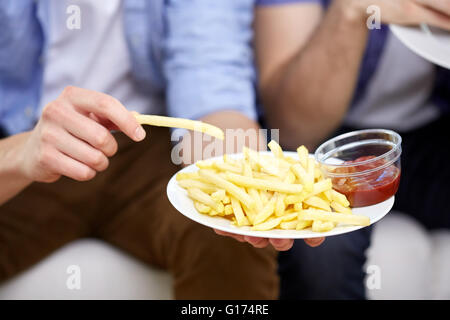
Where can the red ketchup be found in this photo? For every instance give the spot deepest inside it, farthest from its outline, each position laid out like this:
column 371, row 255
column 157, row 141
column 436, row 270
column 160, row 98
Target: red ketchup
column 370, row 188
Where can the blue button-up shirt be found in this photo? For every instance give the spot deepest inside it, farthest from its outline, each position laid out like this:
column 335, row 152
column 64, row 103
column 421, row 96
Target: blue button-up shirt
column 195, row 52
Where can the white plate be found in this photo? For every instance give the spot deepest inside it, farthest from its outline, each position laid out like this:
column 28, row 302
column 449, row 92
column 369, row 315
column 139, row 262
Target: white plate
column 430, row 43
column 179, row 199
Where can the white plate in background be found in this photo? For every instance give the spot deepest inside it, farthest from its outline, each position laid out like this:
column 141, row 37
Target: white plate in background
column 431, row 43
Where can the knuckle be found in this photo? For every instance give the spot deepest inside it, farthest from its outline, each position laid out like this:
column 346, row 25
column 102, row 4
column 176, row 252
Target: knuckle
column 114, row 148
column 98, row 159
column 69, row 91
column 105, row 101
column 54, row 111
column 101, row 138
column 104, row 164
column 48, row 135
column 85, row 174
column 49, row 111
column 44, row 157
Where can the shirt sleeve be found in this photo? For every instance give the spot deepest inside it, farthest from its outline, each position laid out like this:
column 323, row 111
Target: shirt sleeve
column 208, row 60
column 20, row 37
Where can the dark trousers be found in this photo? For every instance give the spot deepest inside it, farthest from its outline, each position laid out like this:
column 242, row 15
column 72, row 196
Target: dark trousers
column 335, row 269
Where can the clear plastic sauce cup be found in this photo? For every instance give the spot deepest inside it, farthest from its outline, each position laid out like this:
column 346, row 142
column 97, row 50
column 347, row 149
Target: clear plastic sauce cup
column 364, row 165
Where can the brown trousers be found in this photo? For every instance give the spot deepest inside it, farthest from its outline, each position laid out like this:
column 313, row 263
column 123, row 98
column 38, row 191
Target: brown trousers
column 127, row 207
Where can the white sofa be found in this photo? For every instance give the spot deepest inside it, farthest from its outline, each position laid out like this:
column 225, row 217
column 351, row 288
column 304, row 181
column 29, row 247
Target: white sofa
column 105, row 273
column 412, row 263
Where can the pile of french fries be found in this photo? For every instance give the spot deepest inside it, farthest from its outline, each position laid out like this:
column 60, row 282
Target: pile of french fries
column 269, row 191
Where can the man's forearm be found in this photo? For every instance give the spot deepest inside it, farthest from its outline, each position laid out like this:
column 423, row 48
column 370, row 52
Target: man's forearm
column 11, row 179
column 233, row 120
column 309, row 96
column 239, row 131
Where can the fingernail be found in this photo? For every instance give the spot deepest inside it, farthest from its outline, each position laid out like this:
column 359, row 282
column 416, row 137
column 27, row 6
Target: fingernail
column 139, row 133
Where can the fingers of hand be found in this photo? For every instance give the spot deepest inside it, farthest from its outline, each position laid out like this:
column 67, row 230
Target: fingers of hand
column 278, row 244
column 60, row 113
column 440, row 5
column 92, row 132
column 106, row 107
column 54, row 139
column 257, row 242
column 231, row 235
column 282, row 244
column 53, row 162
column 314, row 242
column 431, row 16
column 76, row 136
column 80, row 151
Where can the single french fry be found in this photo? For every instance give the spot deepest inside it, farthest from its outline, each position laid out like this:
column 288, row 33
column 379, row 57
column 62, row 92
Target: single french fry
column 228, row 210
column 290, row 160
column 339, row 197
column 294, row 198
column 279, row 204
column 303, row 155
column 317, row 174
column 226, row 200
column 322, row 226
column 316, row 214
column 264, row 163
column 276, row 149
column 318, row 203
column 213, row 213
column 289, row 225
column 205, row 164
column 202, row 208
column 305, row 178
column 247, row 171
column 227, row 167
column 264, row 196
column 323, row 197
column 264, row 184
column 229, row 187
column 205, row 187
column 187, row 175
column 327, row 195
column 265, row 176
column 200, row 196
column 340, row 208
column 161, row 121
column 303, row 224
column 218, row 195
column 290, row 216
column 268, row 225
column 266, row 212
column 250, row 214
column 311, row 167
column 238, row 213
column 320, row 187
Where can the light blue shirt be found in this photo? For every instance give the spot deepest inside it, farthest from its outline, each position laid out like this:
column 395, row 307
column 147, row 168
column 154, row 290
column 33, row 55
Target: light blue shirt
column 196, row 53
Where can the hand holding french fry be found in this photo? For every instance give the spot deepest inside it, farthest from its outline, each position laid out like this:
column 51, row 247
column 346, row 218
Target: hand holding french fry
column 72, row 137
